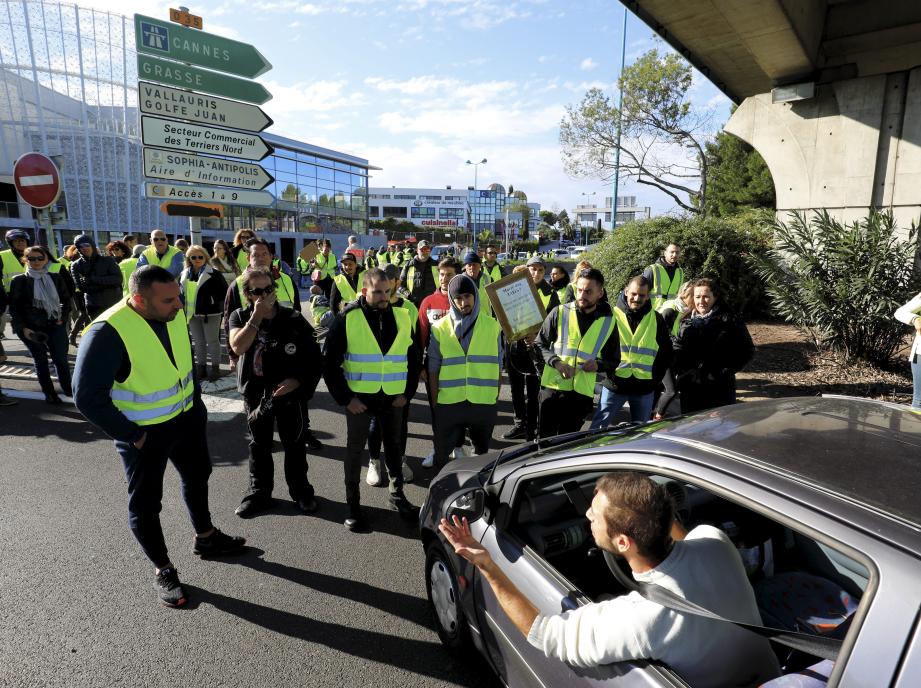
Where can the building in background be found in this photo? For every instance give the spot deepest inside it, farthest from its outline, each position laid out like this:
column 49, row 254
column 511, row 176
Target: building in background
column 627, row 210
column 68, row 88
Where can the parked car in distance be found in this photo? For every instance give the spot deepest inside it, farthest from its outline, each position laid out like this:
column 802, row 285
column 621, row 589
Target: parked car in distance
column 819, row 496
column 560, row 253
column 502, row 257
column 521, row 255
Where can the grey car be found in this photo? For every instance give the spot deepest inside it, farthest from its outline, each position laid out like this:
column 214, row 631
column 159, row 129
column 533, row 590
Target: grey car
column 821, row 496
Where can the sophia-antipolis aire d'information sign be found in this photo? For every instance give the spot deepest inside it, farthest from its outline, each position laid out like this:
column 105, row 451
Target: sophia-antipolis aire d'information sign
column 187, row 79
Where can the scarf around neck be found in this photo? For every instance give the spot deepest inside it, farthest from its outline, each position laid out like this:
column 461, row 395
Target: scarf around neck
column 44, row 293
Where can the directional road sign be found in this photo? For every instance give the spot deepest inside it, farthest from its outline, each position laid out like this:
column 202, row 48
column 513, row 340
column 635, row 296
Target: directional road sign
column 163, row 39
column 195, row 138
column 200, row 169
column 207, row 194
column 175, row 74
column 155, row 99
column 37, row 179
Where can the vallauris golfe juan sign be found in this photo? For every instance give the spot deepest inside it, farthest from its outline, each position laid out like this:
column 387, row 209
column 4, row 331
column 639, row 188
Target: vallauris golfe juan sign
column 197, row 101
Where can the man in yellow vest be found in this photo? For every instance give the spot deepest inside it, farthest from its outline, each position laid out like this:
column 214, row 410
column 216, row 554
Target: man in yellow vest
column 645, row 355
column 665, row 276
column 161, row 254
column 538, row 270
column 261, row 255
column 134, row 380
column 346, row 284
column 371, row 368
column 420, row 275
column 11, row 260
column 473, row 268
column 493, row 270
column 577, row 341
column 324, row 265
column 463, row 362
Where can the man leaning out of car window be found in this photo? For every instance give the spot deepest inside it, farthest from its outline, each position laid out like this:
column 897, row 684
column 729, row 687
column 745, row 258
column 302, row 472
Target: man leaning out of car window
column 633, row 517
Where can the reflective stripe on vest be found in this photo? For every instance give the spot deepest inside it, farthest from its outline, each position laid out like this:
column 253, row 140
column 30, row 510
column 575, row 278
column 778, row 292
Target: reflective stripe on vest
column 411, row 276
column 345, row 290
column 153, row 259
column 574, row 349
column 284, row 291
column 367, row 369
column 11, row 267
column 156, row 389
column 663, row 288
column 637, row 349
column 473, row 376
column 326, row 265
column 127, row 266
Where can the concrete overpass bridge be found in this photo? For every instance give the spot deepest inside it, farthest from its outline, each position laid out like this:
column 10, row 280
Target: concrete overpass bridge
column 829, row 92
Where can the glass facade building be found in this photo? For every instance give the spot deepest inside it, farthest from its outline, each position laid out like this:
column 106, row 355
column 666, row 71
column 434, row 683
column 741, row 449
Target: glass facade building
column 68, row 88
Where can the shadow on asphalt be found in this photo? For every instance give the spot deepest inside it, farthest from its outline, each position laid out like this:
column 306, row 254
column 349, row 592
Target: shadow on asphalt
column 380, row 520
column 418, row 656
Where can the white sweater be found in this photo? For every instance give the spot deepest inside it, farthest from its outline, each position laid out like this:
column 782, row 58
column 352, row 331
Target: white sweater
column 704, row 568
column 906, row 314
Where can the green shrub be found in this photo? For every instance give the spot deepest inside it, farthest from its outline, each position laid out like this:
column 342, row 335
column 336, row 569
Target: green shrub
column 711, row 247
column 842, row 283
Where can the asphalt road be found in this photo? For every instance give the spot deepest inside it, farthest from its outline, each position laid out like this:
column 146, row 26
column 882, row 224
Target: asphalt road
column 309, row 604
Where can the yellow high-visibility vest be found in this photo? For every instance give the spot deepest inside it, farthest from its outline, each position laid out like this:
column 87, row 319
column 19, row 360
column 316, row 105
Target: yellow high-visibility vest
column 495, row 272
column 413, row 312
column 326, row 265
column 156, row 389
column 573, row 347
column 153, row 259
column 284, row 291
column 545, row 298
column 127, row 266
column 243, row 258
column 637, row 349
column 11, row 267
column 473, row 376
column 369, row 370
column 411, row 276
column 345, row 290
column 662, row 287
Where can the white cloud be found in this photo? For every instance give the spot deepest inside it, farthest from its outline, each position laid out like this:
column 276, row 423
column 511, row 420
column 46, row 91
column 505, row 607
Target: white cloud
column 309, row 96
column 587, row 64
column 487, row 123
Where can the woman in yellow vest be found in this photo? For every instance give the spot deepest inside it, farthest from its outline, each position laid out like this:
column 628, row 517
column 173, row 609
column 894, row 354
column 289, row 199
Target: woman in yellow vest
column 324, row 267
column 464, row 358
column 346, row 285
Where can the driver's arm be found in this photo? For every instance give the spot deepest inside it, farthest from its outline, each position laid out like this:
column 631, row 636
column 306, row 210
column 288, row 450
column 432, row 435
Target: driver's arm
column 516, row 606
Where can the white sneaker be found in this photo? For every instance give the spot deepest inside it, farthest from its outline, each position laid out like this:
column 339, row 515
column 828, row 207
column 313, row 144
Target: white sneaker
column 374, row 477
column 429, row 460
column 407, row 472
column 460, row 452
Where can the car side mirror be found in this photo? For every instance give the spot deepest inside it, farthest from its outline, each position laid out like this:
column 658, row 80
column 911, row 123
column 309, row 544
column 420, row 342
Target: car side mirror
column 470, row 505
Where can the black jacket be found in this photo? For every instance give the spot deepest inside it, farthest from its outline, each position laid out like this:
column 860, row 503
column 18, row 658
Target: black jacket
column 424, row 282
column 232, row 300
column 99, row 278
column 662, row 361
column 211, row 291
column 708, row 353
column 24, row 314
column 384, row 327
column 290, row 350
column 608, row 357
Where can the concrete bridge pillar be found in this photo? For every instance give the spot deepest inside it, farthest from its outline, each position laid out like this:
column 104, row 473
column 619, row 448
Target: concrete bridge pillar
column 855, row 145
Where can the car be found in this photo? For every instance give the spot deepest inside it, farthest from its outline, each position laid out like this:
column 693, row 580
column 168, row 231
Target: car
column 576, row 251
column 560, row 253
column 819, row 494
column 502, row 257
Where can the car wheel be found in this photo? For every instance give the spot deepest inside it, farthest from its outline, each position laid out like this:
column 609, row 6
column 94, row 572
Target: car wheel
column 444, row 598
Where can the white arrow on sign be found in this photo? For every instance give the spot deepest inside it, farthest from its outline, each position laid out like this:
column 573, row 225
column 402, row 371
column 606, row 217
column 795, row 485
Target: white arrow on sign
column 200, row 169
column 154, row 99
column 207, row 194
column 194, row 138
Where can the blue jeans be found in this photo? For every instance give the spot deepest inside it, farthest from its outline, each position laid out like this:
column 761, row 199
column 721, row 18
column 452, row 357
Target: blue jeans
column 612, row 402
column 916, row 379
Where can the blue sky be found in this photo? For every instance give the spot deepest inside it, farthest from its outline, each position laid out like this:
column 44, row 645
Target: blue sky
column 419, row 86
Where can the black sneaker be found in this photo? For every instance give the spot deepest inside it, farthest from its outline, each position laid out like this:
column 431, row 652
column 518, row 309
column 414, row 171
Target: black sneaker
column 311, row 441
column 7, row 401
column 518, row 432
column 398, row 502
column 356, row 521
column 307, row 505
column 218, row 543
column 251, row 507
column 170, row 589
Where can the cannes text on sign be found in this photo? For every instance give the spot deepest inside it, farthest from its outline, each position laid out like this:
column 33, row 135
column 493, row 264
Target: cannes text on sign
column 154, row 99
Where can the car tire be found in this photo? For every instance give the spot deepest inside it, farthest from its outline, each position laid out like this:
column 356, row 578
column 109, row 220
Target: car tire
column 444, row 599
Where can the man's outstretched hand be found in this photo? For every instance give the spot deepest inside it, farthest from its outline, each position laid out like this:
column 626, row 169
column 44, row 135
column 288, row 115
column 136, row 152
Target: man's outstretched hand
column 464, row 544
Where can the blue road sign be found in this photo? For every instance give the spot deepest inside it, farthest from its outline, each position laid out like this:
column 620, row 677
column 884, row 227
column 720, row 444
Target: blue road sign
column 155, row 37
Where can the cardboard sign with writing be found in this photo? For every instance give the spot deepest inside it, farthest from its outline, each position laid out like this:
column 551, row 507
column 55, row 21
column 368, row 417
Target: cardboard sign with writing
column 516, row 305
column 309, row 251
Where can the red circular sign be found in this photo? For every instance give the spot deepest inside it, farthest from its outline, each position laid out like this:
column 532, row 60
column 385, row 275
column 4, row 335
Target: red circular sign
column 37, row 179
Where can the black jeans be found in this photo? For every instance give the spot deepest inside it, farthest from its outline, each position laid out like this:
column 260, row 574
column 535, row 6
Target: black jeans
column 453, row 420
column 390, row 420
column 57, row 346
column 375, row 440
column 562, row 412
column 289, row 415
column 525, row 397
column 182, row 441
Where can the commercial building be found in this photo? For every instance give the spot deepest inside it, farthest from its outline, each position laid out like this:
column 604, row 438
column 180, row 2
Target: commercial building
column 68, row 88
column 627, row 210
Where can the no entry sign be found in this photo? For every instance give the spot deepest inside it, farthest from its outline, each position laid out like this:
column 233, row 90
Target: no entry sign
column 37, row 180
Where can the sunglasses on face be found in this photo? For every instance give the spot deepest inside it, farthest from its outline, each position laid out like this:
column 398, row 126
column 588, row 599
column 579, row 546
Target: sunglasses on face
column 196, row 257
column 262, row 291
column 35, row 259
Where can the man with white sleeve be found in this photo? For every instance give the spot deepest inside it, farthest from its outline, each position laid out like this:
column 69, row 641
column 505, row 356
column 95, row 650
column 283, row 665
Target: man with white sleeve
column 633, row 517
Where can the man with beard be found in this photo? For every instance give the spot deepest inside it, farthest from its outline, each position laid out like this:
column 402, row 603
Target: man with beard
column 665, row 276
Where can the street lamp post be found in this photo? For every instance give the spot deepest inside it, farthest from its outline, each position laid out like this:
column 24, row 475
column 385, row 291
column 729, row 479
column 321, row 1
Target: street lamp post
column 580, row 222
column 476, row 166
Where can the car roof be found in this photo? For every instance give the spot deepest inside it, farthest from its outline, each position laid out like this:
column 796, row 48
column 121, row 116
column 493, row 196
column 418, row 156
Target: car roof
column 864, row 451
